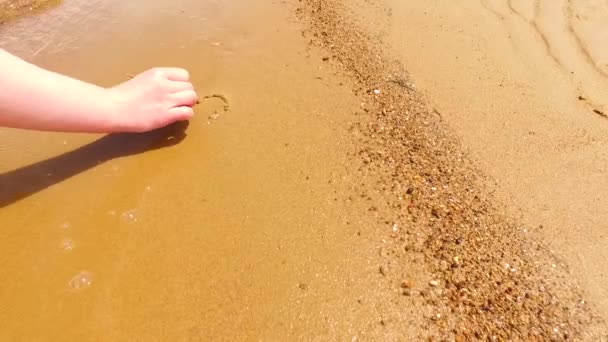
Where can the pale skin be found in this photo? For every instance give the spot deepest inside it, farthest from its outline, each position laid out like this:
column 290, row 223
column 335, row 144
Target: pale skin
column 37, row 99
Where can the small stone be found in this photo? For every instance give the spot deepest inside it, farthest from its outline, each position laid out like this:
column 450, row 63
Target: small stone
column 377, row 91
column 406, row 284
column 434, row 283
column 435, row 213
column 383, row 253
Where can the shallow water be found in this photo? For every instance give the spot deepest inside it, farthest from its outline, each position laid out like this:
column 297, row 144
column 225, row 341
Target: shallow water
column 237, row 226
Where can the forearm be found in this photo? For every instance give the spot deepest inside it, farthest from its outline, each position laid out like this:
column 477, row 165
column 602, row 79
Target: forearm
column 34, row 98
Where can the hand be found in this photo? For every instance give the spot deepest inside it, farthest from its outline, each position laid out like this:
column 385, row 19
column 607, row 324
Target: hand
column 153, row 99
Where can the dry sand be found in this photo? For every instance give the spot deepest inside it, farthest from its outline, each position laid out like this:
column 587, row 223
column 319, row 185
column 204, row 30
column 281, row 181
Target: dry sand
column 508, row 286
column 524, row 86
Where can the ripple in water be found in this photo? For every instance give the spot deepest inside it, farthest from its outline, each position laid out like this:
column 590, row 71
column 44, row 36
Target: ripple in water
column 67, row 245
column 81, row 281
column 129, row 216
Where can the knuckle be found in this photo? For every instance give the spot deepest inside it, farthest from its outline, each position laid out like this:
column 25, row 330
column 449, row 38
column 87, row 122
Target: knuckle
column 157, row 72
column 184, row 72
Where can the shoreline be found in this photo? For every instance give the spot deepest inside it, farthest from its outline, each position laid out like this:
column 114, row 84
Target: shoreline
column 367, row 213
column 525, row 118
column 432, row 188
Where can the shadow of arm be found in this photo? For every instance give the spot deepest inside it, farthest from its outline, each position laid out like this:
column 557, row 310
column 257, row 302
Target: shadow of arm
column 23, row 182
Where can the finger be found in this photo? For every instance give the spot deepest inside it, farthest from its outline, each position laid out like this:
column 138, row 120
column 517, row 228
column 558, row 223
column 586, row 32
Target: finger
column 177, row 86
column 181, row 113
column 177, row 74
column 184, row 98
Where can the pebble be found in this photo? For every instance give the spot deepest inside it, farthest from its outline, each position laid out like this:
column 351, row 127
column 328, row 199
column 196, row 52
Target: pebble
column 434, row 283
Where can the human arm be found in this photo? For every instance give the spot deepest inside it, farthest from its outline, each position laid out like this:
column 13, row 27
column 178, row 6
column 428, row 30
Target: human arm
column 38, row 99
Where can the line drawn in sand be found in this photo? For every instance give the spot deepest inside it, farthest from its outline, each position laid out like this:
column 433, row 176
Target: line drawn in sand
column 218, row 103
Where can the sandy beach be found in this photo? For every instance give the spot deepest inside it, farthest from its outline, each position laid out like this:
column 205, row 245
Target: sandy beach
column 524, row 85
column 355, row 171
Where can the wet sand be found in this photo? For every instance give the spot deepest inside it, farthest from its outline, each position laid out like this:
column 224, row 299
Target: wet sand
column 338, row 194
column 13, row 9
column 239, row 227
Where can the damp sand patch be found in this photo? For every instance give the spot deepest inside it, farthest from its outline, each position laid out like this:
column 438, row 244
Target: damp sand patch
column 13, row 9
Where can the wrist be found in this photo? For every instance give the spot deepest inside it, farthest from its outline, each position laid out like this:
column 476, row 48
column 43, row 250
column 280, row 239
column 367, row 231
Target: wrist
column 115, row 113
